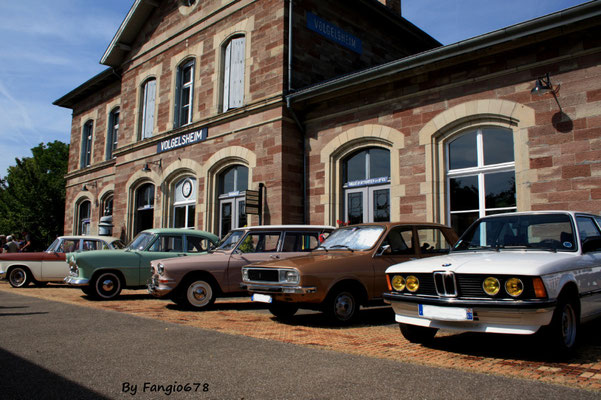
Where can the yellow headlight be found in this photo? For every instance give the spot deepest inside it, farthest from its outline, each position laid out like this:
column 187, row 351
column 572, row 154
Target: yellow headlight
column 514, row 287
column 398, row 283
column 491, row 286
column 412, row 283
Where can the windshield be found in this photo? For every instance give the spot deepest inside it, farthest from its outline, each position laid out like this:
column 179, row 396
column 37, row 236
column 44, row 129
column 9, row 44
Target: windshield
column 141, row 241
column 353, row 238
column 118, row 244
column 539, row 231
column 54, row 246
column 230, row 240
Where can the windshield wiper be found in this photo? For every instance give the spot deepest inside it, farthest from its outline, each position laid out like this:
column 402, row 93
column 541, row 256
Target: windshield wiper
column 343, row 246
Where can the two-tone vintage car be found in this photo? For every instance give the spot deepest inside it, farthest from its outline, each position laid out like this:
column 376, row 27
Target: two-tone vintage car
column 510, row 273
column 20, row 269
column 102, row 275
column 195, row 282
column 346, row 271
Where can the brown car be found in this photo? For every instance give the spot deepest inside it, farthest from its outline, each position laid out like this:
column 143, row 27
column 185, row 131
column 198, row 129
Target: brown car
column 346, row 271
column 195, row 281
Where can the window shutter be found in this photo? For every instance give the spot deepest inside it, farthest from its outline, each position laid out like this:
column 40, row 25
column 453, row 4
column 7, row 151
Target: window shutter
column 149, row 109
column 226, row 77
column 178, row 95
column 237, row 73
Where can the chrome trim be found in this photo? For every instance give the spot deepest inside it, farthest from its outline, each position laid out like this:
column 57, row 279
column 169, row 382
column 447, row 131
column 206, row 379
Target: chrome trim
column 444, row 291
column 455, row 302
column 278, row 288
column 75, row 281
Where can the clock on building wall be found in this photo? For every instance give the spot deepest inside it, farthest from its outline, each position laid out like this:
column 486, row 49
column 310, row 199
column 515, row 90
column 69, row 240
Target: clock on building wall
column 187, row 188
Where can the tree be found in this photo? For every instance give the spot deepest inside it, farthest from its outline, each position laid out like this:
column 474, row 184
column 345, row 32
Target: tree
column 32, row 195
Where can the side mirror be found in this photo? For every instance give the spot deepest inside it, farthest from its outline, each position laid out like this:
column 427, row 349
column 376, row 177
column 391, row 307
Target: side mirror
column 591, row 244
column 384, row 250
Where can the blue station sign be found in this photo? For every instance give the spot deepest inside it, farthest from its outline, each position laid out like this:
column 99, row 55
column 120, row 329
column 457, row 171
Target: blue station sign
column 182, row 140
column 334, row 33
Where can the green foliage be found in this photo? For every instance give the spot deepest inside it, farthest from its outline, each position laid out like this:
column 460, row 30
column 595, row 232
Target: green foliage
column 32, row 195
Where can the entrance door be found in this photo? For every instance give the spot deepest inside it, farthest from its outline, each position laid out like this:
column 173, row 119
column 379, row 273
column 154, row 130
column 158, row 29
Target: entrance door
column 232, row 214
column 367, row 204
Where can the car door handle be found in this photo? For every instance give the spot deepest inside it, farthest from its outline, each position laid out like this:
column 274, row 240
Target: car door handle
column 274, row 256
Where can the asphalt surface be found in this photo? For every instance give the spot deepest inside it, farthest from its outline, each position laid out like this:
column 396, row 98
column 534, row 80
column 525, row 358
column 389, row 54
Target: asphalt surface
column 52, row 350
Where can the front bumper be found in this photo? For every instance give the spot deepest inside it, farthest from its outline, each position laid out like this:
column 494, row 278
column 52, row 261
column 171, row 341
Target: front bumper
column 157, row 288
column 259, row 288
column 76, row 281
column 493, row 316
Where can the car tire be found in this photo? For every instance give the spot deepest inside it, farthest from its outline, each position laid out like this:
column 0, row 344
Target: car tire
column 418, row 334
column 19, row 277
column 283, row 310
column 341, row 306
column 196, row 294
column 106, row 286
column 563, row 330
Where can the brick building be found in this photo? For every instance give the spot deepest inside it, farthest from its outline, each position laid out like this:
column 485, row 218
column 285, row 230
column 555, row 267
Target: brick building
column 353, row 114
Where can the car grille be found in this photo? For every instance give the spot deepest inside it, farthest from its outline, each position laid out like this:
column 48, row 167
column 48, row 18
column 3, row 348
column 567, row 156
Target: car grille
column 263, row 275
column 449, row 284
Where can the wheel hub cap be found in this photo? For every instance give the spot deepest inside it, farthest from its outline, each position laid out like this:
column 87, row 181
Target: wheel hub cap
column 18, row 277
column 108, row 285
column 199, row 293
column 344, row 306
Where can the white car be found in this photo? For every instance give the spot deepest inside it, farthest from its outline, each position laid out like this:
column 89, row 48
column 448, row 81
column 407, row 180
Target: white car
column 51, row 265
column 509, row 273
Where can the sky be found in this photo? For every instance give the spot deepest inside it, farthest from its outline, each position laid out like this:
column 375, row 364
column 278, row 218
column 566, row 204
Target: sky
column 48, row 48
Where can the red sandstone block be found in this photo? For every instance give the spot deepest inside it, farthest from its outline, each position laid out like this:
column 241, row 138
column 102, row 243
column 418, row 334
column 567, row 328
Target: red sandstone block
column 541, row 162
column 593, row 95
column 593, row 156
column 574, row 171
column 585, row 134
column 567, row 196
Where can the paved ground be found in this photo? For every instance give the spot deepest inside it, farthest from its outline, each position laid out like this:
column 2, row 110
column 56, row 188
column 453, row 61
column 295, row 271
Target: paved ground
column 374, row 335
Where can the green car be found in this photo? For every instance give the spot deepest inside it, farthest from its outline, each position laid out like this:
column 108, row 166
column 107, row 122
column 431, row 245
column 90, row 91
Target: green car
column 102, row 274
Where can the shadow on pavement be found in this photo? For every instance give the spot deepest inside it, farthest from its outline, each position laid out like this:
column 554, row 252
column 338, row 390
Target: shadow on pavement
column 518, row 347
column 22, row 379
column 379, row 316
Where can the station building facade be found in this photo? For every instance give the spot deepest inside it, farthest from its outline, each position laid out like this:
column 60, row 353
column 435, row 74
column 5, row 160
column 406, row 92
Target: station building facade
column 336, row 111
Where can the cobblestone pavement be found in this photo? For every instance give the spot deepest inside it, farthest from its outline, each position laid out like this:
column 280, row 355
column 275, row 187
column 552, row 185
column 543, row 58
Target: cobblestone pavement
column 374, row 335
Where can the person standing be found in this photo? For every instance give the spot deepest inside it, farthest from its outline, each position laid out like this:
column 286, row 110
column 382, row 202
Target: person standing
column 26, row 245
column 11, row 246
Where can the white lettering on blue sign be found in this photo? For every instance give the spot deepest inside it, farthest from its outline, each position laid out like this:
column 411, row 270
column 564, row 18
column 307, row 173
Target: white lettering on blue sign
column 334, row 33
column 182, row 140
column 366, row 182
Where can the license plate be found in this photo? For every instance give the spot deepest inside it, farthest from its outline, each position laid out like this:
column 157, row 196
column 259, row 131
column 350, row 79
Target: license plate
column 262, row 298
column 446, row 313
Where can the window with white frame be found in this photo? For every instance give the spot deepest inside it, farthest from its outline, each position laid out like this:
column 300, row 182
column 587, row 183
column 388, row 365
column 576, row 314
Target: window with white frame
column 480, row 175
column 147, row 104
column 184, row 93
column 84, row 211
column 366, row 186
column 86, row 144
column 232, row 186
column 184, row 203
column 233, row 73
column 113, row 133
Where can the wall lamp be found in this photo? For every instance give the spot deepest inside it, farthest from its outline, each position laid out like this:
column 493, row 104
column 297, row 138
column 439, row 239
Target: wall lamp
column 147, row 168
column 543, row 85
column 84, row 188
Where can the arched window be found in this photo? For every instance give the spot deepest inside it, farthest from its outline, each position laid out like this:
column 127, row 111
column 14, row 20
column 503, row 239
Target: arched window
column 233, row 73
column 113, row 133
column 184, row 93
column 107, row 205
column 480, row 175
column 86, row 144
column 84, row 211
column 184, row 203
column 147, row 105
column 232, row 185
column 366, row 186
column 144, row 212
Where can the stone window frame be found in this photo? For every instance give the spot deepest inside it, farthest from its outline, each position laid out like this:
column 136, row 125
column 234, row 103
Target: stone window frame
column 140, row 80
column 191, row 53
column 456, row 120
column 344, row 144
column 179, row 88
column 220, row 40
column 215, row 165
